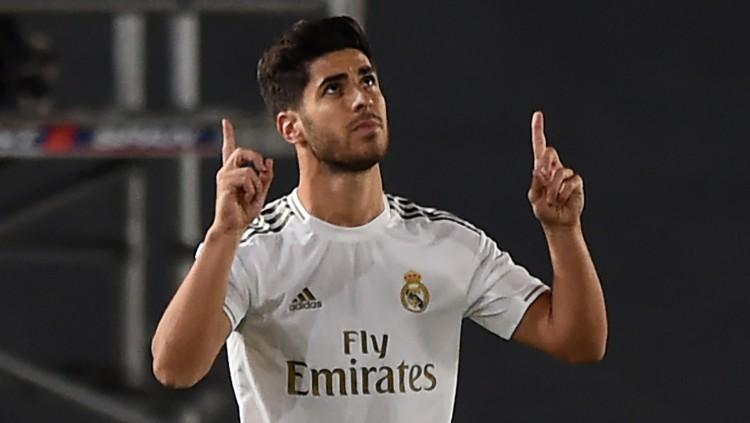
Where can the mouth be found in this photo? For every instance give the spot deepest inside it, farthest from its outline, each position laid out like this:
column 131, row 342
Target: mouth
column 367, row 124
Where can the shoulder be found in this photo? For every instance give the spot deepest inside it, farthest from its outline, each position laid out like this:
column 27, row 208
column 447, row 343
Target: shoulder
column 432, row 219
column 273, row 220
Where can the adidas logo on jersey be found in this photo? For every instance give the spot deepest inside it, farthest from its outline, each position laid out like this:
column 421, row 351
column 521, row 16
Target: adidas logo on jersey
column 305, row 300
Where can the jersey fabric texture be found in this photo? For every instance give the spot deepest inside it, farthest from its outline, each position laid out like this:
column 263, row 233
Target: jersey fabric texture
column 340, row 324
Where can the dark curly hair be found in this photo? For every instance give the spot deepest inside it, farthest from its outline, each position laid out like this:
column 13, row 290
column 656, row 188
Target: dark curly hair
column 283, row 70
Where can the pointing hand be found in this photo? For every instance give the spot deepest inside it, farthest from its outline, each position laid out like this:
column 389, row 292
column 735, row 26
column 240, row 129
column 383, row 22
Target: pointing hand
column 556, row 192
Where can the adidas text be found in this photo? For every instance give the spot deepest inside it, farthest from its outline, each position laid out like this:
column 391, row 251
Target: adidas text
column 305, row 306
column 305, row 300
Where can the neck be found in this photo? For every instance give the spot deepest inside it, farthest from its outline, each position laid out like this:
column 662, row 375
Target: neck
column 341, row 199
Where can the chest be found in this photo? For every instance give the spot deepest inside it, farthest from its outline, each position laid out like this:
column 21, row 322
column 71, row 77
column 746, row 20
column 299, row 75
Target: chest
column 364, row 282
column 368, row 303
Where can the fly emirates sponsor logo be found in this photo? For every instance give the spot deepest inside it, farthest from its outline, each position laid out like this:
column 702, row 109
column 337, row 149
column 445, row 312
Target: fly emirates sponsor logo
column 390, row 378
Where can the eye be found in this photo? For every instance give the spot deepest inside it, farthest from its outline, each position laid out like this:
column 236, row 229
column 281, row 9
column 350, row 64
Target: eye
column 332, row 88
column 370, row 80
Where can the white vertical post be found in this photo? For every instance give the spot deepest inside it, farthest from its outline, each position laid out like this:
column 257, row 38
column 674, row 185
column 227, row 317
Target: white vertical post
column 129, row 58
column 355, row 8
column 134, row 339
column 185, row 45
column 189, row 175
column 185, row 48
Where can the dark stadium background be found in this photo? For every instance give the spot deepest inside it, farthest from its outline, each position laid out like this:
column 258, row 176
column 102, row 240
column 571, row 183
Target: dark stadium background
column 649, row 101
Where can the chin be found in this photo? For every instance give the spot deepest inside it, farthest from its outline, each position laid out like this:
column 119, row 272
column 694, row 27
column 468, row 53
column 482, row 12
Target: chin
column 359, row 164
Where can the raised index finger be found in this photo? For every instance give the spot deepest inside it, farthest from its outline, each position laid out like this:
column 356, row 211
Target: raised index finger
column 538, row 141
column 228, row 145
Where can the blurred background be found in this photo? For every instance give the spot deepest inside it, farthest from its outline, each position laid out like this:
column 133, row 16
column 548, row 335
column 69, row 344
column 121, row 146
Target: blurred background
column 109, row 142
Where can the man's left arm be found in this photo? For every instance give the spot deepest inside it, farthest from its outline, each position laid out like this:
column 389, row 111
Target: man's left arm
column 570, row 322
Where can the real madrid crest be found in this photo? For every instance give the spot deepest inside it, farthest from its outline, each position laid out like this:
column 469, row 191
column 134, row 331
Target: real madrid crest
column 414, row 295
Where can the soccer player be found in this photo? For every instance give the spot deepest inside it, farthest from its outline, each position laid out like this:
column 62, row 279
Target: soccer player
column 339, row 303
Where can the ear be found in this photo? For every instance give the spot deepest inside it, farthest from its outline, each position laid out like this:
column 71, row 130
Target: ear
column 289, row 125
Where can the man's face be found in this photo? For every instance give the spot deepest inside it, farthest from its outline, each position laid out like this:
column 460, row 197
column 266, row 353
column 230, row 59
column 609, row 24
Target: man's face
column 344, row 113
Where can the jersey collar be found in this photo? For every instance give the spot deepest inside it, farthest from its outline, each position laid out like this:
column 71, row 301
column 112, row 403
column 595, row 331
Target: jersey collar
column 343, row 233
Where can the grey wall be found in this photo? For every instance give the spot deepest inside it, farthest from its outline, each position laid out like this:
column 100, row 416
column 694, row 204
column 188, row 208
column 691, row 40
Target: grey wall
column 647, row 100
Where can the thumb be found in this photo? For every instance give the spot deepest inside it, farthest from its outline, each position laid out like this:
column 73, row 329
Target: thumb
column 265, row 178
column 537, row 186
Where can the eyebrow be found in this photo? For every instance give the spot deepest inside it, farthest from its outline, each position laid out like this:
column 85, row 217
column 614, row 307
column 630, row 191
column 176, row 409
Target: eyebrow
column 362, row 71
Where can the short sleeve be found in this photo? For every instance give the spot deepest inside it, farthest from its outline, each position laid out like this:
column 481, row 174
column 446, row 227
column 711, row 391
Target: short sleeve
column 237, row 300
column 500, row 291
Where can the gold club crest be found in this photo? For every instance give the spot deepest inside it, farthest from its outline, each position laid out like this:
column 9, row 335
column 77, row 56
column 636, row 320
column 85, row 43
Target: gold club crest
column 414, row 295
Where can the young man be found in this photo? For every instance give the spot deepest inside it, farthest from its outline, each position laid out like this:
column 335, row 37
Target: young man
column 339, row 303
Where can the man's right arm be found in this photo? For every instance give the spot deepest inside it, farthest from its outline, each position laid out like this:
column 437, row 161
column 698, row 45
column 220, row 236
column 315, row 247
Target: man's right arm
column 194, row 326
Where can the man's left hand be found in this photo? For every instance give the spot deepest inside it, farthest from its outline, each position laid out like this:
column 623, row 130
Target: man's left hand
column 556, row 193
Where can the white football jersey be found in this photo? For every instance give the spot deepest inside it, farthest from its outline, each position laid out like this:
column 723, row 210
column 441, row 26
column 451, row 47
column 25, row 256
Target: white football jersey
column 340, row 324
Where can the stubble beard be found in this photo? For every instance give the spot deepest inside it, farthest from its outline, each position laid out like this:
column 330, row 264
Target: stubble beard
column 323, row 145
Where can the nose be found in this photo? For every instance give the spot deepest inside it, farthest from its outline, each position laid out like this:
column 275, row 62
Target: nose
column 362, row 99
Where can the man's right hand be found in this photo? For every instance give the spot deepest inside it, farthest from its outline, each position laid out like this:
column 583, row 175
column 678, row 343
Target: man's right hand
column 240, row 190
column 194, row 327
